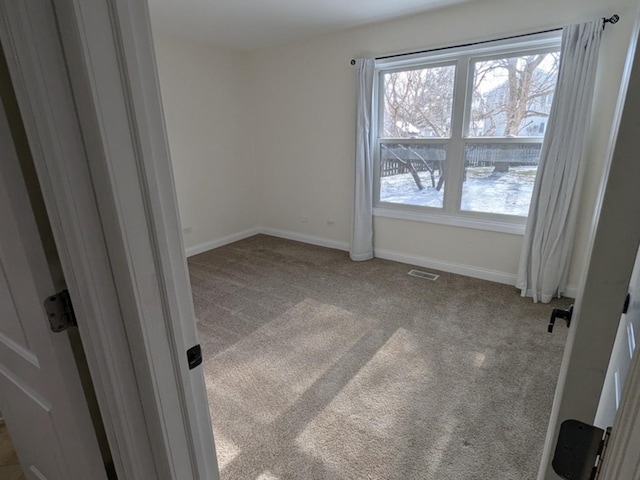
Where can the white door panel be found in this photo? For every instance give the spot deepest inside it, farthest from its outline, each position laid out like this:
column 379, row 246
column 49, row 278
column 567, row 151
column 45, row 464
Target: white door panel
column 10, row 330
column 623, row 350
column 41, row 396
column 611, row 251
column 42, row 454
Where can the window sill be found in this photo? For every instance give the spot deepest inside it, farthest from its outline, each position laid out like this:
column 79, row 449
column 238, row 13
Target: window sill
column 451, row 220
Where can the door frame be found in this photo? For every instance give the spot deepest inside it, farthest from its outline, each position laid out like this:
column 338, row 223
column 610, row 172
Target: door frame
column 86, row 83
column 623, row 457
column 613, row 246
column 48, row 424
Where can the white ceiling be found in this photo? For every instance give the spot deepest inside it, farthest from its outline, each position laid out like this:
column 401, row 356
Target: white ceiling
column 253, row 24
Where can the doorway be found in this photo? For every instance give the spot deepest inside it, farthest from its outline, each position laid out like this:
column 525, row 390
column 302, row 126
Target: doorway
column 23, row 196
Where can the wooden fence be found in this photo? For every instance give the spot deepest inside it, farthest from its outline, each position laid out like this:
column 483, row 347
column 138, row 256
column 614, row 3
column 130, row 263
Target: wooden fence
column 477, row 155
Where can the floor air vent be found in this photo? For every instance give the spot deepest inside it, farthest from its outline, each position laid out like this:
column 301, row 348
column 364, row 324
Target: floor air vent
column 425, row 275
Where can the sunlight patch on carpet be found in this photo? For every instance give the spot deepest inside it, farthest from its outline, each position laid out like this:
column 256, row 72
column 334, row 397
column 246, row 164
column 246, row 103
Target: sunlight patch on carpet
column 478, row 359
column 373, row 412
column 266, row 476
column 289, row 354
column 226, row 450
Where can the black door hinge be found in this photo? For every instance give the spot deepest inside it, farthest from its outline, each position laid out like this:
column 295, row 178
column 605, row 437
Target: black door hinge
column 580, row 450
column 60, row 311
column 194, row 356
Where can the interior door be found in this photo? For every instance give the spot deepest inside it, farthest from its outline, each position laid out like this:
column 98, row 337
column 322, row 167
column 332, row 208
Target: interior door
column 613, row 247
column 41, row 395
column 623, row 351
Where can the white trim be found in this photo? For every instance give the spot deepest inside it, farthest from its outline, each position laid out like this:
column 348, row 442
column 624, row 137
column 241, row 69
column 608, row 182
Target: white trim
column 444, row 266
column 460, row 269
column 462, row 59
column 304, row 238
column 611, row 252
column 30, row 37
column 623, row 459
column 450, row 267
column 210, row 245
column 93, row 116
column 111, row 64
column 181, row 400
column 451, row 220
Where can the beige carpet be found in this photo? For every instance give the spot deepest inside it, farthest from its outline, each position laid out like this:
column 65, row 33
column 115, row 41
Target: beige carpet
column 321, row 368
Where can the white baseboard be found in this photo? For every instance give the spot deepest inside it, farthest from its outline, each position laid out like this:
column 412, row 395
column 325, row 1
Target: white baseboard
column 299, row 237
column 203, row 247
column 311, row 239
column 449, row 267
column 466, row 270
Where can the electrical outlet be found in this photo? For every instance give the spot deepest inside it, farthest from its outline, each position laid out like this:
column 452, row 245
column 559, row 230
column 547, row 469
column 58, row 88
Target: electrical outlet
column 186, row 230
column 331, row 224
column 304, row 219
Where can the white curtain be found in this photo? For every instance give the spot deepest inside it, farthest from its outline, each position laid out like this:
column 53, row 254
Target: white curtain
column 361, row 247
column 548, row 239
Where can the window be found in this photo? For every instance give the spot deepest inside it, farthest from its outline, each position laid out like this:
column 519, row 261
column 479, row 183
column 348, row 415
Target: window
column 459, row 132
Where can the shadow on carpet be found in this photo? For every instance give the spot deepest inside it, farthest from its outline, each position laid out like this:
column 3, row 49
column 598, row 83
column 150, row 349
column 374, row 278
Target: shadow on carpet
column 322, row 368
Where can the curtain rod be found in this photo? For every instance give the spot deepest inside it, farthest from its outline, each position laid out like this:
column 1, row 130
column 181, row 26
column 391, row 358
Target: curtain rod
column 612, row 20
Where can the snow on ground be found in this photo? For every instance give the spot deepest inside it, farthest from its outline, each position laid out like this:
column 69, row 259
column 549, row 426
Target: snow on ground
column 483, row 191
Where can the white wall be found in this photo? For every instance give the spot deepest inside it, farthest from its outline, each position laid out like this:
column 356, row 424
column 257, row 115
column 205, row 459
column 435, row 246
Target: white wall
column 304, row 122
column 287, row 115
column 204, row 93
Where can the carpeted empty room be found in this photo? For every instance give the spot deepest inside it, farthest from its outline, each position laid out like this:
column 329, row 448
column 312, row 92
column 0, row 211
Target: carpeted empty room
column 322, row 368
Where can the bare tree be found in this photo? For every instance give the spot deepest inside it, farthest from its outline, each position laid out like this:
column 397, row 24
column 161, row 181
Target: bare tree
column 509, row 96
column 524, row 92
column 418, row 102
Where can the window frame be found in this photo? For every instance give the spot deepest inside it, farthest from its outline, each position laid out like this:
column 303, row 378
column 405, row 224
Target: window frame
column 463, row 57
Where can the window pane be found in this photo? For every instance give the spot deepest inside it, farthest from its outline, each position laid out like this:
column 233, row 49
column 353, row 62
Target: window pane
column 412, row 174
column 418, row 103
column 499, row 177
column 512, row 96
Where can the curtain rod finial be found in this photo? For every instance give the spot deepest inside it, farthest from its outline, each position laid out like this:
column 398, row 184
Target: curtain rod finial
column 613, row 19
column 353, row 62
